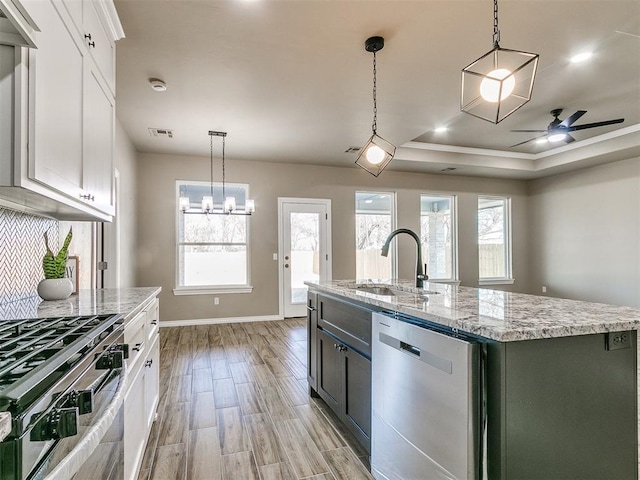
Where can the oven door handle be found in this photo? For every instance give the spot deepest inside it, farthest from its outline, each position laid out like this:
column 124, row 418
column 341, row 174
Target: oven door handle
column 72, row 462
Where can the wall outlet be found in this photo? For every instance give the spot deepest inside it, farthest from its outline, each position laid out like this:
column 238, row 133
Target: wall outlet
column 216, row 300
column 544, row 289
column 618, row 340
column 275, row 256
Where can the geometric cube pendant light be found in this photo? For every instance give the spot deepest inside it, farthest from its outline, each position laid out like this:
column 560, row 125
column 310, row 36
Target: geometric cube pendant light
column 377, row 152
column 498, row 83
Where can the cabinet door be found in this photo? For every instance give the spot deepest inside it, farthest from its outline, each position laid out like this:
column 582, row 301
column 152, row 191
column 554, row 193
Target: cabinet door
column 151, row 383
column 55, row 99
column 99, row 139
column 312, row 342
column 357, row 395
column 135, row 431
column 100, row 46
column 329, row 370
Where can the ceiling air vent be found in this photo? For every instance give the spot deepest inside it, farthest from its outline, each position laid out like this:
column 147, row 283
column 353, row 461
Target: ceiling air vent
column 352, row 150
column 161, row 132
column 448, row 169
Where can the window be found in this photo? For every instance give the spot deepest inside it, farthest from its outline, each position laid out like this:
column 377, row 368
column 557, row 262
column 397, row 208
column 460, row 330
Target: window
column 494, row 240
column 438, row 236
column 213, row 254
column 375, row 220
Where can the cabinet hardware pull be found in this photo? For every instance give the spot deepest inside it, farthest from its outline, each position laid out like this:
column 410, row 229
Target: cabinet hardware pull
column 87, row 196
column 335, row 345
column 148, row 363
column 138, row 346
column 87, row 36
column 311, row 309
column 92, row 44
column 154, row 322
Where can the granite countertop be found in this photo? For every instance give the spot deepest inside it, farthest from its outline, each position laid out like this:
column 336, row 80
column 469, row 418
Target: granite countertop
column 494, row 314
column 127, row 301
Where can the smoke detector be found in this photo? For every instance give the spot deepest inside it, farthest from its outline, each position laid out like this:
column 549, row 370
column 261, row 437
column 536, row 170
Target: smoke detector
column 161, row 132
column 158, row 85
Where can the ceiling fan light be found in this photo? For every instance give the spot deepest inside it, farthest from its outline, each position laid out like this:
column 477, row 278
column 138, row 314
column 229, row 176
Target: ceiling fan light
column 557, row 137
column 376, row 155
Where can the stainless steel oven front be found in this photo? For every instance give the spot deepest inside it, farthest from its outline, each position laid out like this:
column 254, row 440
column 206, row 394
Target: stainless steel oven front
column 74, row 430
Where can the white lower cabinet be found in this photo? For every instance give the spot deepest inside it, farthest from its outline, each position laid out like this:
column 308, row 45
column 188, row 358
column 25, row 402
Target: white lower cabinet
column 134, row 426
column 141, row 397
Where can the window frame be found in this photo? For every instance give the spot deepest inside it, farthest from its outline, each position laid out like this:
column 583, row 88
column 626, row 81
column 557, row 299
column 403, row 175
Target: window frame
column 209, row 289
column 453, row 199
column 507, row 279
column 393, row 250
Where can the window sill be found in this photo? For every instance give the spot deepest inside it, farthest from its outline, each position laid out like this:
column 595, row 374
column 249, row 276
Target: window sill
column 208, row 290
column 496, row 281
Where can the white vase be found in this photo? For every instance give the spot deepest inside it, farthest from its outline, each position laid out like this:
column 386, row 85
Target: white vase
column 55, row 288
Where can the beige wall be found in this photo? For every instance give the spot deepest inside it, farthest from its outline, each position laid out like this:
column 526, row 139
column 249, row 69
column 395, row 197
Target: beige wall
column 125, row 156
column 585, row 234
column 156, row 214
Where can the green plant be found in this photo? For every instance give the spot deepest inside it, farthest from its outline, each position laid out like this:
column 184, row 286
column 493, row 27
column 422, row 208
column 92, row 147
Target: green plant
column 54, row 266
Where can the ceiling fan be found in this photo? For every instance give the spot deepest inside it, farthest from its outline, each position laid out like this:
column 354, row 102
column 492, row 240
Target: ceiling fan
column 558, row 130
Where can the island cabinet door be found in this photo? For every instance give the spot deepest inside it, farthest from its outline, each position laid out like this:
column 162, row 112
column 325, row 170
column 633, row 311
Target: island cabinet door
column 329, row 370
column 357, row 395
column 312, row 342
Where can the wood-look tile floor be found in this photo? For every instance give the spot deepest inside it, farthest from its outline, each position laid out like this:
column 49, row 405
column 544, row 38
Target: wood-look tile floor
column 234, row 405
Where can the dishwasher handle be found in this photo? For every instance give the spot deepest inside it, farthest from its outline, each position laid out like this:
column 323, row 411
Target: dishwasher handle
column 410, row 349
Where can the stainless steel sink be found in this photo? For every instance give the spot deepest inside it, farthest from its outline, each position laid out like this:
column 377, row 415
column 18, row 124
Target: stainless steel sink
column 380, row 290
column 387, row 291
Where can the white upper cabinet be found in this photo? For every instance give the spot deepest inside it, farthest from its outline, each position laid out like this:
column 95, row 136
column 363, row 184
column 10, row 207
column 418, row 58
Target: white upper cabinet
column 68, row 83
column 56, row 104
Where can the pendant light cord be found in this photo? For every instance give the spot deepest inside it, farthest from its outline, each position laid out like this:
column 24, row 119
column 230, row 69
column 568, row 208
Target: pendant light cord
column 374, row 125
column 223, row 181
column 496, row 31
column 211, row 183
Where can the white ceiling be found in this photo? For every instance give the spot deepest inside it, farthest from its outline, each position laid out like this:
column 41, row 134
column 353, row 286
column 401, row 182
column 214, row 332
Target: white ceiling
column 290, row 81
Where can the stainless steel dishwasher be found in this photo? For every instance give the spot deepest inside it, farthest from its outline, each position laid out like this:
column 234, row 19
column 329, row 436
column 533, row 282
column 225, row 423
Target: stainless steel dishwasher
column 426, row 403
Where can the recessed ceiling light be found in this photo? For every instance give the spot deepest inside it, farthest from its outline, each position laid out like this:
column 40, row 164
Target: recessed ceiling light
column 440, row 129
column 581, row 57
column 368, row 201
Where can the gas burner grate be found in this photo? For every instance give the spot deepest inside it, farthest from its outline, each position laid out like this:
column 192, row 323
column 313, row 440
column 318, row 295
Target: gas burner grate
column 54, row 344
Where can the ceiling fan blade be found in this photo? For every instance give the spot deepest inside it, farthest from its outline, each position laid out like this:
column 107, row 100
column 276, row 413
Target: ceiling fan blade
column 596, row 124
column 527, row 141
column 530, row 131
column 569, row 139
column 570, row 120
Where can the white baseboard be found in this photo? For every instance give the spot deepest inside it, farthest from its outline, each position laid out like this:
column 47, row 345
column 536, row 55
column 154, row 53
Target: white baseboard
column 215, row 321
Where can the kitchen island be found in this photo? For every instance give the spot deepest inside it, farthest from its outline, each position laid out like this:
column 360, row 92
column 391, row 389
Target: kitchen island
column 557, row 389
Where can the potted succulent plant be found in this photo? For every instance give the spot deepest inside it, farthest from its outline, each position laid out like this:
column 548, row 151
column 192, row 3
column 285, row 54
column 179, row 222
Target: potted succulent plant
column 55, row 285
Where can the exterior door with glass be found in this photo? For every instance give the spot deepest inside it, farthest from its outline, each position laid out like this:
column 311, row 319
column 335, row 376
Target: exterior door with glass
column 304, row 250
